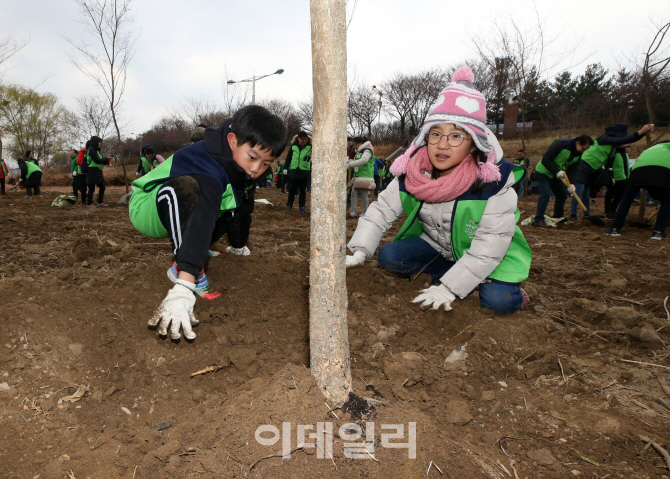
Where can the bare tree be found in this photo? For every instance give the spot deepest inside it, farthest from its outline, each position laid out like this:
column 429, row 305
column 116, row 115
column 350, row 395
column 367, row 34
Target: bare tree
column 400, row 98
column 107, row 65
column 10, row 46
column 362, row 109
column 93, row 117
column 523, row 48
column 656, row 60
column 329, row 335
column 306, row 114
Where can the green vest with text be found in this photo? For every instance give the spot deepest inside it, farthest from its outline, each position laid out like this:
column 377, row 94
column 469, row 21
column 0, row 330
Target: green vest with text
column 598, row 154
column 563, row 160
column 368, row 169
column 91, row 163
column 466, row 215
column 302, row 156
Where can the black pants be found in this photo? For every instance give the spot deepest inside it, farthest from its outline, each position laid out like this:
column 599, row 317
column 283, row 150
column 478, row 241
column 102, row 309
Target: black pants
column 91, row 190
column 35, row 188
column 295, row 184
column 188, row 207
column 2, row 185
column 613, row 196
column 656, row 192
column 75, row 188
column 80, row 185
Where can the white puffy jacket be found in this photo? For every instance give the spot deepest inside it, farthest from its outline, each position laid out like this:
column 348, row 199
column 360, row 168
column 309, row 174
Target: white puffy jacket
column 490, row 244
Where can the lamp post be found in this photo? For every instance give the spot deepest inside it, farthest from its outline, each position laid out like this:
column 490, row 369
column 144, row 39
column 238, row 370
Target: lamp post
column 379, row 113
column 253, row 80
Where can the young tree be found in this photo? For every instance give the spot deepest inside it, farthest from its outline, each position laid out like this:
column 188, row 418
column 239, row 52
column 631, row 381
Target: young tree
column 306, row 114
column 93, row 118
column 400, row 98
column 656, row 61
column 107, row 66
column 329, row 335
column 362, row 109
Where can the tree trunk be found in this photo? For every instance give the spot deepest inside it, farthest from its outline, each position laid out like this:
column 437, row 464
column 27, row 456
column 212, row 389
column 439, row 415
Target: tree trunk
column 329, row 333
column 123, row 163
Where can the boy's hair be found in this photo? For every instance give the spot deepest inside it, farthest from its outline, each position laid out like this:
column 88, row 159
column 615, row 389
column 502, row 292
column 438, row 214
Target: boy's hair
column 584, row 140
column 148, row 151
column 360, row 139
column 255, row 125
column 28, row 152
column 350, row 138
column 302, row 134
column 520, row 151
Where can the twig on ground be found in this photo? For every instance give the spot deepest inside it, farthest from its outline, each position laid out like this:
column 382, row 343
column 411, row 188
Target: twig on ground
column 373, row 457
column 665, row 306
column 644, row 364
column 294, row 384
column 422, row 269
column 664, row 385
column 331, row 411
column 562, row 372
column 621, row 298
column 273, row 455
column 661, row 451
column 208, row 369
column 657, row 399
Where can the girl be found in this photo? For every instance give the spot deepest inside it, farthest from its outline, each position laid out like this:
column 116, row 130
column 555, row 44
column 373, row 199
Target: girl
column 94, row 177
column 457, row 193
column 363, row 173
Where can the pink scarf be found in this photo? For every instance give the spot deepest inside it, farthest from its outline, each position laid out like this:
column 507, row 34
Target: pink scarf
column 445, row 188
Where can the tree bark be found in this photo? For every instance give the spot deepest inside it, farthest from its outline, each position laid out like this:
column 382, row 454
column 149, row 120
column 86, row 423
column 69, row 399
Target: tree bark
column 329, row 333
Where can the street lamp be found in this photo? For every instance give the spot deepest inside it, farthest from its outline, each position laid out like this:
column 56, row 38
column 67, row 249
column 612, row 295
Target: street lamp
column 253, row 82
column 379, row 114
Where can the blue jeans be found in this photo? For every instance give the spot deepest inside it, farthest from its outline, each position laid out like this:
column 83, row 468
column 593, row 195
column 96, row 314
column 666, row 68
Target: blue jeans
column 547, row 186
column 410, row 256
column 583, row 193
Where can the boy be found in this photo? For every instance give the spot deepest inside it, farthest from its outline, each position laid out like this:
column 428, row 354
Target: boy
column 200, row 193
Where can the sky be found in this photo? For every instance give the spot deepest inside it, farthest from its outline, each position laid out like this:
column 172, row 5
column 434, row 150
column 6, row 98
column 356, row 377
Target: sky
column 189, row 48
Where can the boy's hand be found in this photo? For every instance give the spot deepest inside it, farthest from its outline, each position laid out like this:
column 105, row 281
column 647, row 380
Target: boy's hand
column 435, row 296
column 357, row 259
column 176, row 309
column 243, row 251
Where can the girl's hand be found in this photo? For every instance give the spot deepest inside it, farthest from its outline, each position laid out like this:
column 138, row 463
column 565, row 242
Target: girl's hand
column 357, row 259
column 646, row 128
column 435, row 296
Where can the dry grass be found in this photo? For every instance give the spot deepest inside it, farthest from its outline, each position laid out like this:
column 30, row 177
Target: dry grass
column 113, row 176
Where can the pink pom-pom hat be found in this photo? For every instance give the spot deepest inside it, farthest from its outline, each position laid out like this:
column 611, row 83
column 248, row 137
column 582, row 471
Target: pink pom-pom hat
column 462, row 105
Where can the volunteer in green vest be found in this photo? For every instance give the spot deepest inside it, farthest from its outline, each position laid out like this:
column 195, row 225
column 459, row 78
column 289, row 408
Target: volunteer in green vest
column 620, row 173
column 560, row 156
column 73, row 173
column 650, row 171
column 94, row 176
column 363, row 172
column 297, row 167
column 4, row 173
column 600, row 154
column 458, row 194
column 31, row 175
column 524, row 162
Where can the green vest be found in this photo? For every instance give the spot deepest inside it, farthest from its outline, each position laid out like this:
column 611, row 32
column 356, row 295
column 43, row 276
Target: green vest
column 563, row 160
column 142, row 208
column 303, row 156
column 31, row 168
column 91, row 163
column 620, row 167
column 73, row 165
column 657, row 155
column 145, row 164
column 467, row 214
column 5, row 171
column 598, row 154
column 367, row 170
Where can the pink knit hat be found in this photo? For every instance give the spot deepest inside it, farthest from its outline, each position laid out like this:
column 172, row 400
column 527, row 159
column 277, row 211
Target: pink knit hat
column 461, row 105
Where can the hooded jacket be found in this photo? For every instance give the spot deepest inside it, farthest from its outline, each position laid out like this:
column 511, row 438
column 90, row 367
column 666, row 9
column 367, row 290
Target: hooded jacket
column 363, row 162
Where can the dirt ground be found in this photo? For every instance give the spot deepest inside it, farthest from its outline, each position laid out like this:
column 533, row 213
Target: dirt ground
column 554, row 391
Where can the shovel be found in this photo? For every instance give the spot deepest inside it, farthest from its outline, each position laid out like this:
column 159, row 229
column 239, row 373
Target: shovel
column 593, row 219
column 648, row 223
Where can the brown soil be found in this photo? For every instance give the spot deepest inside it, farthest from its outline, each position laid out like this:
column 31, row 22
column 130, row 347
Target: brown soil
column 544, row 392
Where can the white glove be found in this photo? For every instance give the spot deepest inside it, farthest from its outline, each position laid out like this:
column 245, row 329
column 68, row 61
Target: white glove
column 285, row 172
column 571, row 189
column 561, row 175
column 176, row 308
column 435, row 296
column 357, row 259
column 137, row 173
column 74, row 173
column 243, row 251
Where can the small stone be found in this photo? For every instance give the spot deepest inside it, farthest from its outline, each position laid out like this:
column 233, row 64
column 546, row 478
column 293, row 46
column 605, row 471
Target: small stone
column 562, row 441
column 64, row 458
column 542, row 456
column 160, row 362
column 76, row 348
column 575, row 472
column 4, row 387
column 502, row 384
column 567, row 398
column 488, row 395
column 458, row 412
column 519, row 367
column 126, row 410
